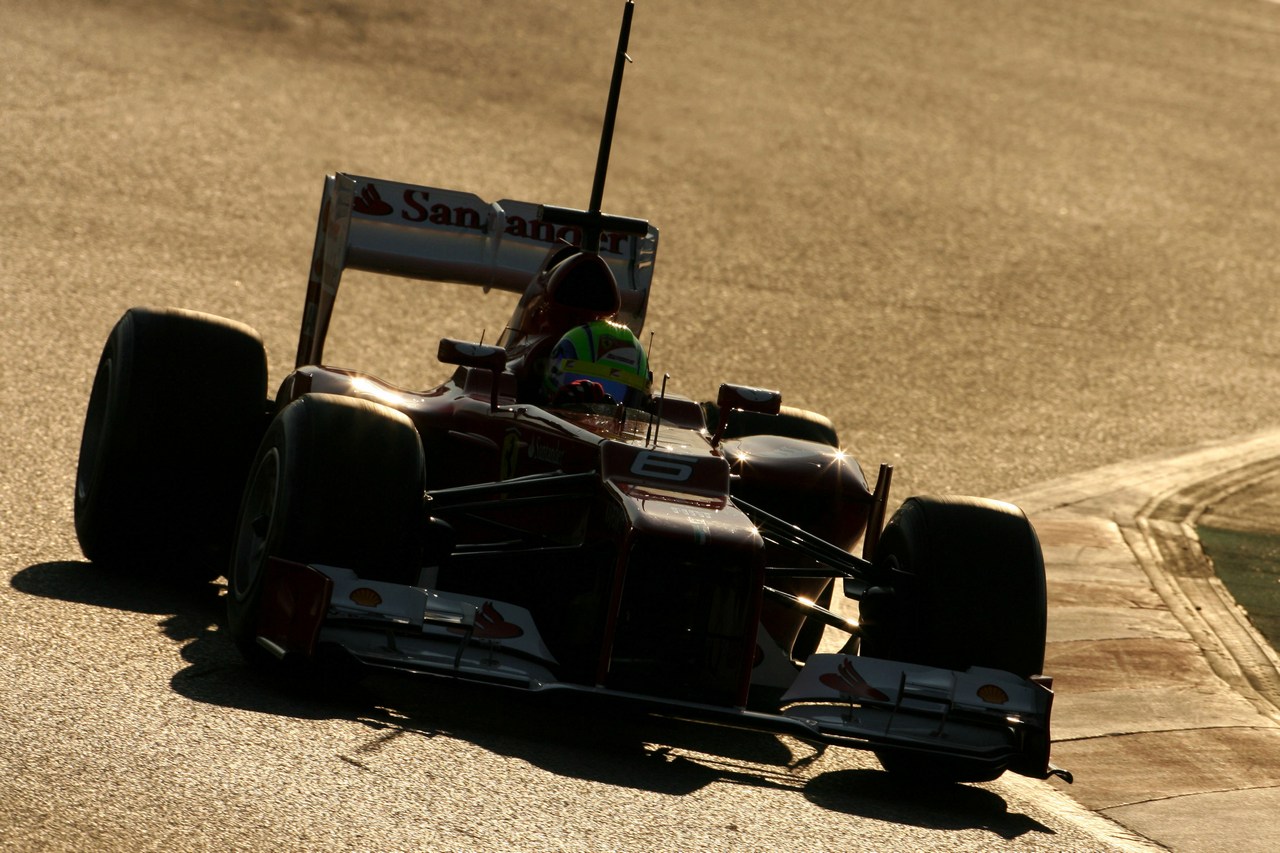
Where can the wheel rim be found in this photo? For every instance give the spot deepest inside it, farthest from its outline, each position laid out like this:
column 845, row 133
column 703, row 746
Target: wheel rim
column 257, row 521
column 95, row 424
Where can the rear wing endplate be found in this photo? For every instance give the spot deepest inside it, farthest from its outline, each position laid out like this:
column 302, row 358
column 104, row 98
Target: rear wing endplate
column 450, row 236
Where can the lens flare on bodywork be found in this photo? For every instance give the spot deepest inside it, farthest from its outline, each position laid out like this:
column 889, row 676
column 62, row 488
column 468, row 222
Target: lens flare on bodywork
column 370, row 390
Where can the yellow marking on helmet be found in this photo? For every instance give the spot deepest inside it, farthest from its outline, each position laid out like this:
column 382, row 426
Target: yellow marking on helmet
column 600, row 371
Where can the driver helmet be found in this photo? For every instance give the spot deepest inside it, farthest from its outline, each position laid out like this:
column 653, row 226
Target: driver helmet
column 601, row 353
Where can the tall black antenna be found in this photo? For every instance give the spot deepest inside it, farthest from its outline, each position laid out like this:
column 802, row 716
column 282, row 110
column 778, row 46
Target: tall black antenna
column 620, row 61
column 592, row 222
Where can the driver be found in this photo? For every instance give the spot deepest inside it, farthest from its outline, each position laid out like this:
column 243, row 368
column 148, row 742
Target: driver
column 598, row 362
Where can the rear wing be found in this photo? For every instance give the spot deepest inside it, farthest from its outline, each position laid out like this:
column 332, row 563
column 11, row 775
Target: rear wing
column 450, row 236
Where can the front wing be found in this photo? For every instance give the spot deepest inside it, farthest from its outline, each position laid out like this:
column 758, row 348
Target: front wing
column 983, row 716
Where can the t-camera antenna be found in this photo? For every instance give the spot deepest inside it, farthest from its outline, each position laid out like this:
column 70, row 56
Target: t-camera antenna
column 592, row 222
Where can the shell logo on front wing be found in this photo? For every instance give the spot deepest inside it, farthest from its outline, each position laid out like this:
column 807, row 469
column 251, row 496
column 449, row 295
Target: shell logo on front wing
column 847, row 680
column 993, row 694
column 490, row 625
column 365, row 597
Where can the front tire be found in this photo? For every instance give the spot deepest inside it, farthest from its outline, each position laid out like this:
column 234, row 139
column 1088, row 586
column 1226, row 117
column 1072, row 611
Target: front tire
column 338, row 482
column 970, row 591
column 177, row 407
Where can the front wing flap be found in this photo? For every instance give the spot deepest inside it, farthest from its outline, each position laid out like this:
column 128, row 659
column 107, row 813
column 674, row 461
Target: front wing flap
column 980, row 713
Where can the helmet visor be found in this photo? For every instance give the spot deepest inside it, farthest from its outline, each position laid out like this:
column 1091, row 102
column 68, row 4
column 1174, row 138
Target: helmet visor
column 619, row 383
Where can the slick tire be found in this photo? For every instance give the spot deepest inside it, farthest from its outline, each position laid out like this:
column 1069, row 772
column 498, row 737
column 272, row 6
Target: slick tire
column 177, row 407
column 336, row 481
column 971, row 592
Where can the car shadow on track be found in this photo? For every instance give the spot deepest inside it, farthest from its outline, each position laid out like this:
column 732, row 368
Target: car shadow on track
column 882, row 796
column 191, row 616
column 566, row 737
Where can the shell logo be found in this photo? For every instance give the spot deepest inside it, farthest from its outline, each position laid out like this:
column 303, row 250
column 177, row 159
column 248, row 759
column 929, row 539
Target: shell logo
column 992, row 693
column 366, row 597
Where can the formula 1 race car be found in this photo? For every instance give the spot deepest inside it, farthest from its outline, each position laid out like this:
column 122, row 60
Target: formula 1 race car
column 680, row 556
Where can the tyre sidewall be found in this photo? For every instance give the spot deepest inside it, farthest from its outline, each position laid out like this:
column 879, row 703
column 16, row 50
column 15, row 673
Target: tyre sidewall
column 175, row 412
column 348, row 493
column 972, row 589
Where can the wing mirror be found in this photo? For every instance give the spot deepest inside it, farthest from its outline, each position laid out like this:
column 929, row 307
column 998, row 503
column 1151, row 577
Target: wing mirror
column 472, row 355
column 483, row 356
column 746, row 399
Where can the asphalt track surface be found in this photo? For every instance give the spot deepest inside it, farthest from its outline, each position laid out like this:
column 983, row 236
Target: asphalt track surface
column 998, row 243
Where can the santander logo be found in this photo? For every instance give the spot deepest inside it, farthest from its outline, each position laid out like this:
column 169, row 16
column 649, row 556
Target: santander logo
column 847, row 680
column 490, row 625
column 370, row 203
column 416, row 205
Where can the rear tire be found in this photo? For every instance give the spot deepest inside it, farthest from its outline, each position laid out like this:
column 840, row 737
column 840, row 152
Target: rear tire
column 972, row 594
column 177, row 407
column 338, row 482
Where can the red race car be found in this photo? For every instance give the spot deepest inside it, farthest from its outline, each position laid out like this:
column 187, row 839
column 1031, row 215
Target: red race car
column 550, row 519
